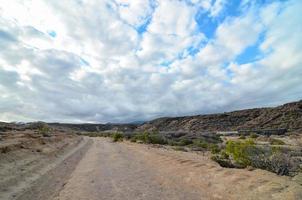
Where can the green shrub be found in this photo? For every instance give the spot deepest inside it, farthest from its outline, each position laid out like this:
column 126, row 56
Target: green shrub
column 156, row 139
column 44, row 130
column 246, row 153
column 132, row 139
column 242, row 137
column 216, row 139
column 185, row 142
column 223, row 162
column 214, row 148
column 143, row 137
column 172, row 143
column 201, row 143
column 240, row 151
column 224, row 155
column 98, row 134
column 254, row 135
column 149, row 138
column 276, row 142
column 117, row 137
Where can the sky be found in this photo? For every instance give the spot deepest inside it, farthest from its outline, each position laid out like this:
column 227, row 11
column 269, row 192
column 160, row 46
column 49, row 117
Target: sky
column 133, row 60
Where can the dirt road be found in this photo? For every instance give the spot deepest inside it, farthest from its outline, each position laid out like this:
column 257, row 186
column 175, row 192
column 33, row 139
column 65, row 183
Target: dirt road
column 130, row 171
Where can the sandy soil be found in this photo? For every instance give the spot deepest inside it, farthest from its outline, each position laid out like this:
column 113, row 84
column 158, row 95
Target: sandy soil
column 33, row 166
column 136, row 171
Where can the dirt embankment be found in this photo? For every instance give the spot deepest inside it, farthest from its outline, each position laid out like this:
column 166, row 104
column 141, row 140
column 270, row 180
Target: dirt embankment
column 33, row 166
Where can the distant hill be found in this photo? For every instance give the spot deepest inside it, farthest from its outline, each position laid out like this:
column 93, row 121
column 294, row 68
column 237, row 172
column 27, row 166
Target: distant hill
column 288, row 116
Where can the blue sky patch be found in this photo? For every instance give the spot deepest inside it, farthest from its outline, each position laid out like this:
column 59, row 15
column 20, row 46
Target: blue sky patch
column 143, row 27
column 166, row 63
column 208, row 25
column 251, row 53
column 84, row 62
column 52, row 34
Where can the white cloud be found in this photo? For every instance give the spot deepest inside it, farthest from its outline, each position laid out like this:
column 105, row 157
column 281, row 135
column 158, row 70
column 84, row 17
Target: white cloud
column 98, row 68
column 217, row 7
column 168, row 35
column 134, row 12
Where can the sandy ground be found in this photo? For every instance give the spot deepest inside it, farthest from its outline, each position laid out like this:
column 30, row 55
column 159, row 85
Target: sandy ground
column 34, row 167
column 129, row 171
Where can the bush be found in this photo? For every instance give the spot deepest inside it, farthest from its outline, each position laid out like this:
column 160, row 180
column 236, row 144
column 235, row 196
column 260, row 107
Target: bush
column 185, row 142
column 268, row 158
column 242, row 137
column 201, row 143
column 149, row 138
column 223, row 162
column 240, row 151
column 132, row 139
column 254, row 135
column 276, row 142
column 216, row 139
column 156, row 139
column 172, row 143
column 117, row 137
column 44, row 130
column 214, row 148
column 98, row 134
column 143, row 137
column 274, row 161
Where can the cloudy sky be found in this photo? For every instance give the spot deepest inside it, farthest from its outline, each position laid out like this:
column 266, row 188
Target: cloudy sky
column 129, row 60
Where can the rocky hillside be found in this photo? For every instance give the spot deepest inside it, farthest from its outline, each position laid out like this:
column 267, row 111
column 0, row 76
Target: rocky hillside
column 96, row 127
column 288, row 116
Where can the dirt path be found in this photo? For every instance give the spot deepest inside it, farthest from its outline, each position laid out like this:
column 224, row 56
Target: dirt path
column 33, row 165
column 133, row 171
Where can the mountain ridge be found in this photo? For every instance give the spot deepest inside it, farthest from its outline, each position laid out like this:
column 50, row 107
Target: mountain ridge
column 287, row 116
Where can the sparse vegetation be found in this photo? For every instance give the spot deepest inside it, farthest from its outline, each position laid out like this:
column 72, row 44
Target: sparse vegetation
column 200, row 143
column 97, row 134
column 179, row 148
column 276, row 142
column 235, row 154
column 246, row 153
column 117, row 137
column 214, row 148
column 149, row 138
column 254, row 136
column 132, row 139
column 242, row 137
column 4, row 149
column 44, row 130
column 223, row 162
column 185, row 142
column 240, row 151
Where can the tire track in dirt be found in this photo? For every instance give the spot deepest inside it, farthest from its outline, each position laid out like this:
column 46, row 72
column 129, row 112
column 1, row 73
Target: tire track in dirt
column 43, row 181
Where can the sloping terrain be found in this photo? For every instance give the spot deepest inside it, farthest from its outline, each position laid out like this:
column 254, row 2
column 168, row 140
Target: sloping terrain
column 288, row 116
column 28, row 159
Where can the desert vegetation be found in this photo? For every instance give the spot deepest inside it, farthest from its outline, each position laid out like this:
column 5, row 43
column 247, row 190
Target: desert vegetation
column 241, row 152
